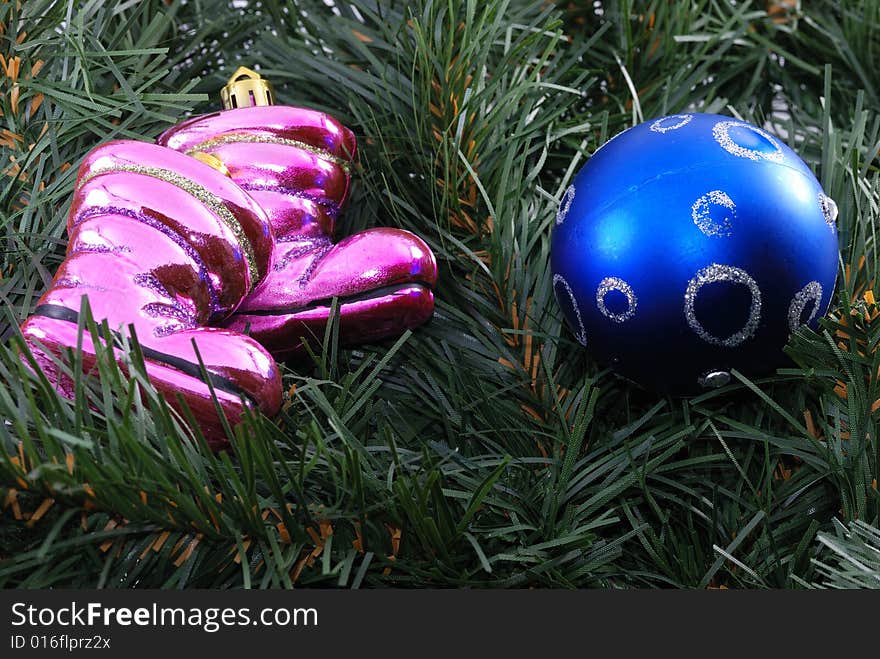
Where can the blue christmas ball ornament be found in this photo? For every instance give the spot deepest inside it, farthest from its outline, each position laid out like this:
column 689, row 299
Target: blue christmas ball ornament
column 691, row 245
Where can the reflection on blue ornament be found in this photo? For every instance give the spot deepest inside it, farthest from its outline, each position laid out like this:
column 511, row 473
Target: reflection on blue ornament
column 691, row 245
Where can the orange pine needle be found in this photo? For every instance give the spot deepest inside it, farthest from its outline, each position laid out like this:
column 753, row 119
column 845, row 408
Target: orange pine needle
column 180, row 560
column 40, row 511
column 363, row 38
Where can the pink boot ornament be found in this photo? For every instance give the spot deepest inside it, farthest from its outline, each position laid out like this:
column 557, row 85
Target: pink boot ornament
column 234, row 241
column 166, row 244
column 296, row 164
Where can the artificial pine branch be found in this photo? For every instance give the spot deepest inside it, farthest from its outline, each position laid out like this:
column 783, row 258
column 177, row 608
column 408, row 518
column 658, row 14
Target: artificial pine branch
column 850, row 556
column 486, row 448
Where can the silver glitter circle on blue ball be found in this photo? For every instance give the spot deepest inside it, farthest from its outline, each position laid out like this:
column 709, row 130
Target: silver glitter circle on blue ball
column 565, row 204
column 674, row 122
column 721, row 132
column 723, row 273
column 706, row 207
column 810, row 294
column 581, row 332
column 829, row 210
column 616, row 284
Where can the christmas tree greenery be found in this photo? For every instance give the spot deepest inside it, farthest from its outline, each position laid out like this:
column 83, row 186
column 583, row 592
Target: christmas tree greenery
column 485, row 448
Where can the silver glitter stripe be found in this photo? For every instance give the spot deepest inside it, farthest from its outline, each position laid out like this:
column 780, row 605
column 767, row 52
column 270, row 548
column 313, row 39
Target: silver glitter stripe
column 616, row 284
column 812, row 292
column 829, row 210
column 721, row 132
column 235, row 138
column 701, row 211
column 662, row 126
column 565, row 204
column 581, row 334
column 715, row 273
column 205, row 196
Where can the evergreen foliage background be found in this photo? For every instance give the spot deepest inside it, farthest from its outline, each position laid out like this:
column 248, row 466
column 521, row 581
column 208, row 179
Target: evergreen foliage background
column 486, row 448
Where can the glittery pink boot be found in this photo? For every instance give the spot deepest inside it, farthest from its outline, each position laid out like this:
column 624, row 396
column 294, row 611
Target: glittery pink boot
column 295, row 163
column 166, row 244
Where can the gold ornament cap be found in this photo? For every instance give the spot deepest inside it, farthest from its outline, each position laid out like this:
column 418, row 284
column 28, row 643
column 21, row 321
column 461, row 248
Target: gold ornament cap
column 246, row 88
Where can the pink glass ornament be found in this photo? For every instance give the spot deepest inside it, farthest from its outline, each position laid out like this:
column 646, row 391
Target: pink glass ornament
column 193, row 253
column 165, row 244
column 295, row 163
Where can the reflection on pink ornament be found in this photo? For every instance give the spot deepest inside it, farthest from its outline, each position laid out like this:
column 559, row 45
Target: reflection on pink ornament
column 296, row 164
column 235, row 240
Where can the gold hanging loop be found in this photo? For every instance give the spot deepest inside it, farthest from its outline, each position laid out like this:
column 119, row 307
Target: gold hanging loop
column 246, row 89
